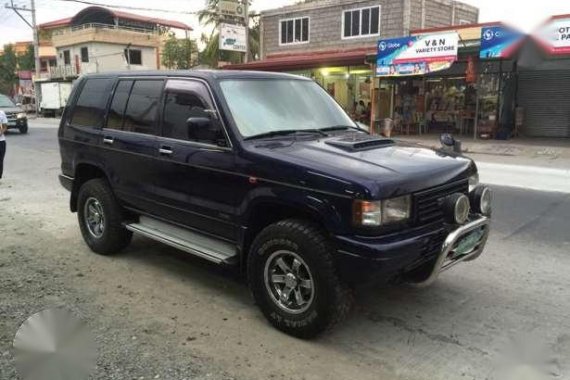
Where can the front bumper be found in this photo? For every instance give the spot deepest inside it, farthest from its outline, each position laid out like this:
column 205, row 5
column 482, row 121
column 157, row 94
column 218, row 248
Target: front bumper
column 17, row 123
column 363, row 260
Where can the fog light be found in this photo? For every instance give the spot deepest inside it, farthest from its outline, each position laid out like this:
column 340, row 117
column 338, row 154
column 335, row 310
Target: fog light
column 481, row 199
column 456, row 208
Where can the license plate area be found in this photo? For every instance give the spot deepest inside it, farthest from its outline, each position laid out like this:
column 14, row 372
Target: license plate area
column 467, row 244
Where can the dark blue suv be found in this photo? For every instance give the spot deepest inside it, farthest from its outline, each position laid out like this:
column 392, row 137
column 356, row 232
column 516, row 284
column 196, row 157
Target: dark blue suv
column 267, row 173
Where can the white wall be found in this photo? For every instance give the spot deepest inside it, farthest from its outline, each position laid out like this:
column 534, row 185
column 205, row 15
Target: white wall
column 107, row 57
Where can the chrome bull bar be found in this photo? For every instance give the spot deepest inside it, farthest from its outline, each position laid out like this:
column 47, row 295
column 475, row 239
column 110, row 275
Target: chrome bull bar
column 444, row 262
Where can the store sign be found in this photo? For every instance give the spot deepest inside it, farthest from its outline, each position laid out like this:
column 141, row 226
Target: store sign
column 416, row 55
column 499, row 41
column 555, row 36
column 231, row 8
column 232, row 37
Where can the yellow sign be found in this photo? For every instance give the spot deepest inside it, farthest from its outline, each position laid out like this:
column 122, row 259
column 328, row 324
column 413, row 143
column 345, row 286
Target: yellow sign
column 231, row 8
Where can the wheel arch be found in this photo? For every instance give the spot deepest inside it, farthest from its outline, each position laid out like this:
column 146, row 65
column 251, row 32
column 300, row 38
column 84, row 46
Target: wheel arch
column 83, row 173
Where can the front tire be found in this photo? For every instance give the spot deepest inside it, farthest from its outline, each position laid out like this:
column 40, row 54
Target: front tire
column 294, row 281
column 23, row 129
column 100, row 218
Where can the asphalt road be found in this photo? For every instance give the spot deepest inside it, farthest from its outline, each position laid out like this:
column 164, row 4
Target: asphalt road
column 158, row 312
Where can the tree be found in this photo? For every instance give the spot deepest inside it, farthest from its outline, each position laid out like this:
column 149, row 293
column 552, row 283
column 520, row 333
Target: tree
column 211, row 54
column 178, row 53
column 8, row 68
column 27, row 60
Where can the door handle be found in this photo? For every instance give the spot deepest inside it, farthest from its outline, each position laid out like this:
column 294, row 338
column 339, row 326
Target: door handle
column 108, row 140
column 165, row 150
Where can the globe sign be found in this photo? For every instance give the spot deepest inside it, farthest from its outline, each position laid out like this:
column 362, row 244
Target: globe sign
column 382, row 45
column 488, row 35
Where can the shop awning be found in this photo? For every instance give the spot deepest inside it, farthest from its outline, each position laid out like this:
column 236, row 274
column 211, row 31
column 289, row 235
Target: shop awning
column 285, row 62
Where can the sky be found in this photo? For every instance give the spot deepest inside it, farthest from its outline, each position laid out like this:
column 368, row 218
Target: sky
column 524, row 14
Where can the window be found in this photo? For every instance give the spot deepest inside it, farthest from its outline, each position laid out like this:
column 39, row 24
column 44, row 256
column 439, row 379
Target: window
column 361, row 22
column 185, row 99
column 92, row 102
column 118, row 105
column 133, row 56
column 464, row 22
column 294, row 104
column 84, row 54
column 294, row 31
column 66, row 57
column 140, row 115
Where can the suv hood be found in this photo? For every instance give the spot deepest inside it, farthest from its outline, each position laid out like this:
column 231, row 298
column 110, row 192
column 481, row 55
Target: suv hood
column 389, row 169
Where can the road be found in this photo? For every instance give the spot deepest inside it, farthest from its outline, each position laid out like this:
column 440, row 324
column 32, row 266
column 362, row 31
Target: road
column 158, row 313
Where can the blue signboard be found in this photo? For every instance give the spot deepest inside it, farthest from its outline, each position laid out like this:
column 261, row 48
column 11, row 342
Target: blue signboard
column 499, row 41
column 416, row 55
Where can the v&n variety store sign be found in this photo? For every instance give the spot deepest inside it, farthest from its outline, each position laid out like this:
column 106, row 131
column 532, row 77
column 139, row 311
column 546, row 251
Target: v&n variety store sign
column 416, row 55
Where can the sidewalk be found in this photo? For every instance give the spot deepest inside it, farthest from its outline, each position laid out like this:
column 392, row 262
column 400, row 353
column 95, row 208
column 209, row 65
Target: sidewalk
column 536, row 152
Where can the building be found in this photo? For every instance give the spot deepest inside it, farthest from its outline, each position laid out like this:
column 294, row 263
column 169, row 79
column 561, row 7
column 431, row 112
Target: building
column 99, row 39
column 330, row 40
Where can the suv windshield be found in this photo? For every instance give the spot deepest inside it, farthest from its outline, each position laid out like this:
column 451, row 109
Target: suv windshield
column 261, row 107
column 5, row 102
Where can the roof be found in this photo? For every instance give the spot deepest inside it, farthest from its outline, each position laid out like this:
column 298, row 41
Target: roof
column 308, row 60
column 118, row 14
column 202, row 74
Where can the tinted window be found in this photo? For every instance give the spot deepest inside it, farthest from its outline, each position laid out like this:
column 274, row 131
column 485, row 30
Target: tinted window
column 118, row 105
column 375, row 20
column 183, row 100
column 142, row 106
column 89, row 110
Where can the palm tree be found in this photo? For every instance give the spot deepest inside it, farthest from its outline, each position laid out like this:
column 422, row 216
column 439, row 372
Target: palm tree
column 211, row 53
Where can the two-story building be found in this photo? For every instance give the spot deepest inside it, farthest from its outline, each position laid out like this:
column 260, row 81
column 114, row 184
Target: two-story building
column 99, row 39
column 330, row 40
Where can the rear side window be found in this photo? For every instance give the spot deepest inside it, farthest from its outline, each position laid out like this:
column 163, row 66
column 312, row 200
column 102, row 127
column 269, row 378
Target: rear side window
column 142, row 107
column 118, row 105
column 89, row 110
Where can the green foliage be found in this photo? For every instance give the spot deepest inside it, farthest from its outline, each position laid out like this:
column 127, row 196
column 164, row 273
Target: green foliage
column 178, row 53
column 8, row 68
column 27, row 61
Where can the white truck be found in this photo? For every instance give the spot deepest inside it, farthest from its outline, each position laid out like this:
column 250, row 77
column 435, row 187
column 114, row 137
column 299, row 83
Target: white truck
column 54, row 96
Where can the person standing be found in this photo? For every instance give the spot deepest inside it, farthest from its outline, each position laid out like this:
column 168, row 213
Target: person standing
column 3, row 129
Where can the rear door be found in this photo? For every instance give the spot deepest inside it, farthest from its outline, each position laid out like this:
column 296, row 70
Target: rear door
column 130, row 140
column 197, row 166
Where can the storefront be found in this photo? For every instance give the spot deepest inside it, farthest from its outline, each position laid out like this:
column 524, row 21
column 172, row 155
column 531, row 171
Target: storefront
column 454, row 91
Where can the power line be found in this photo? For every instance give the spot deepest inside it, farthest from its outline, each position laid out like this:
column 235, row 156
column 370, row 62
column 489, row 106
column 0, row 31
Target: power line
column 128, row 7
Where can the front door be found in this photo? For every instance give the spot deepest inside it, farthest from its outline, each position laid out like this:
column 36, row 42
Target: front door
column 196, row 176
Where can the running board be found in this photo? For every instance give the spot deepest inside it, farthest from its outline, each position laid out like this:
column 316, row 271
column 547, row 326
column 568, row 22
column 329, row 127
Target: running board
column 212, row 249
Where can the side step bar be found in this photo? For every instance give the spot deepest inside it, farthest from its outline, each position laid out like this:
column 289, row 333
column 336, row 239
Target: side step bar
column 215, row 250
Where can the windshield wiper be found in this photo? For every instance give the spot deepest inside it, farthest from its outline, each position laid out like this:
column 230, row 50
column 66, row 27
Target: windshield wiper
column 285, row 132
column 341, row 128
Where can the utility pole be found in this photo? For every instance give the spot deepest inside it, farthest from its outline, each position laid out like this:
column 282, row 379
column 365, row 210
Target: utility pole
column 246, row 18
column 34, row 27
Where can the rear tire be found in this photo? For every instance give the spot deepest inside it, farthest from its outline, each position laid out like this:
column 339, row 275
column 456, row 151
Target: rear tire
column 100, row 218
column 293, row 279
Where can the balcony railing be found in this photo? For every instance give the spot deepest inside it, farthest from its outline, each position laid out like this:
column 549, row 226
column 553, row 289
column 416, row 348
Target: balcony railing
column 62, row 72
column 81, row 27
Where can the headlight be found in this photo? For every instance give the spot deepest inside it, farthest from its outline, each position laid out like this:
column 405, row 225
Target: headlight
column 377, row 213
column 473, row 181
column 456, row 208
column 21, row 115
column 481, row 198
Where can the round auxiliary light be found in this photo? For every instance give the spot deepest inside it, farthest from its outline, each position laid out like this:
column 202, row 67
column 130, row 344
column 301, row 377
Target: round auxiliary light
column 481, row 199
column 456, row 208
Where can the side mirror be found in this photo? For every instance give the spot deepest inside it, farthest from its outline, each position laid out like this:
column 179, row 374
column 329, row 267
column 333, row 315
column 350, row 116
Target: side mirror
column 198, row 123
column 18, row 104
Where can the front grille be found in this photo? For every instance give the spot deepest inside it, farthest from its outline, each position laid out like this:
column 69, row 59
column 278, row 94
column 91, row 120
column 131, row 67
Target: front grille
column 427, row 203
